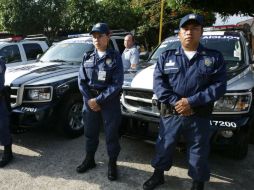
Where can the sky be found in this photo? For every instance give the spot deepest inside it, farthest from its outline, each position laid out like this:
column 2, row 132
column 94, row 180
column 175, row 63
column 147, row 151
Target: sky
column 231, row 20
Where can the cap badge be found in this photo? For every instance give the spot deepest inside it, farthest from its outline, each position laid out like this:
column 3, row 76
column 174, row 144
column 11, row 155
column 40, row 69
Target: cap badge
column 192, row 17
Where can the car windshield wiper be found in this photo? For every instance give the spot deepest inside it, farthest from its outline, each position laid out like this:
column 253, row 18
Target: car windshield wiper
column 57, row 60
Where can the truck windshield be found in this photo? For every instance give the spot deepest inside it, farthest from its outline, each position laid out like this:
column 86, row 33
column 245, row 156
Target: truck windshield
column 230, row 47
column 67, row 52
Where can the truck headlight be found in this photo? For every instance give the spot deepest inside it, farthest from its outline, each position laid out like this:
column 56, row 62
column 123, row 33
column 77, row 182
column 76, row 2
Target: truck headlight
column 37, row 94
column 233, row 103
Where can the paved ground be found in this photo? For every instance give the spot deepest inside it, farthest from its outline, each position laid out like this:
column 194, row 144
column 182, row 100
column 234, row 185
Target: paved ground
column 46, row 161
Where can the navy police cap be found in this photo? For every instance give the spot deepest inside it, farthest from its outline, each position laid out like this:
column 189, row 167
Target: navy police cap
column 195, row 17
column 101, row 28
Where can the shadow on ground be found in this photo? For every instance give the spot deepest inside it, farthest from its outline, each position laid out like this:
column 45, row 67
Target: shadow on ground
column 41, row 155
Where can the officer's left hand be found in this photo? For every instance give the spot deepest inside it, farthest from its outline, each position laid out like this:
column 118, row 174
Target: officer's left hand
column 93, row 105
column 183, row 107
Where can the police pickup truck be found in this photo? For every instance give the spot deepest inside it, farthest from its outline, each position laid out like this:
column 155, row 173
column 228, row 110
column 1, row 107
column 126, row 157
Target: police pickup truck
column 18, row 50
column 232, row 118
column 46, row 93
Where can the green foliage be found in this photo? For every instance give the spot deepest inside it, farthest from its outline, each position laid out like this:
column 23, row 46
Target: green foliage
column 31, row 16
column 81, row 14
column 14, row 16
column 143, row 16
column 226, row 7
column 118, row 14
column 148, row 29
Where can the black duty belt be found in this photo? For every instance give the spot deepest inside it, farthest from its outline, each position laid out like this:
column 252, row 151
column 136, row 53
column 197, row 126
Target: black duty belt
column 167, row 110
column 95, row 92
column 201, row 111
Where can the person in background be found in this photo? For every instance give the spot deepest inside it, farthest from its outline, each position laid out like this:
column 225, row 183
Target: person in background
column 187, row 82
column 130, row 55
column 100, row 82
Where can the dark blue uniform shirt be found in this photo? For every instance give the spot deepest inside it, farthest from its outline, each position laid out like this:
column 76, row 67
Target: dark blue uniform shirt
column 2, row 71
column 104, row 74
column 201, row 80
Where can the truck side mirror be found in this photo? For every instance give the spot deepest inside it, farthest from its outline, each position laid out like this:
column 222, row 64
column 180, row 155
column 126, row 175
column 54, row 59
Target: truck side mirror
column 38, row 56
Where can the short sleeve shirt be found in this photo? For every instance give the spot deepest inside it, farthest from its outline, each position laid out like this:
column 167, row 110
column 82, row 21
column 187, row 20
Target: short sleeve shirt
column 130, row 56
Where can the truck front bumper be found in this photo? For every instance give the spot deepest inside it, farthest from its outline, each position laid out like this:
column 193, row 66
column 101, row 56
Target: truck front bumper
column 223, row 127
column 32, row 116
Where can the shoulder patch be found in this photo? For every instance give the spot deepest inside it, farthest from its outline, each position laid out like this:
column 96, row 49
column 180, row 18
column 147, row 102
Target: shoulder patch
column 108, row 61
column 208, row 62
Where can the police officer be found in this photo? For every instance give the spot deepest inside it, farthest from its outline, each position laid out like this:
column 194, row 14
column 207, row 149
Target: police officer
column 5, row 136
column 187, row 81
column 100, row 82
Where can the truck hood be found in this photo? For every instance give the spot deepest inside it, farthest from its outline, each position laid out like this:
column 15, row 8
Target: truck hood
column 241, row 81
column 40, row 73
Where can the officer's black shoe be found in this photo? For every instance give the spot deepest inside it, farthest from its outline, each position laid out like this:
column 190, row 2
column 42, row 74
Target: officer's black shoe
column 112, row 170
column 154, row 181
column 197, row 185
column 87, row 164
column 7, row 156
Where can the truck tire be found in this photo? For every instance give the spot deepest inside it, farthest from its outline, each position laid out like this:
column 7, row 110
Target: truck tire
column 70, row 117
column 240, row 147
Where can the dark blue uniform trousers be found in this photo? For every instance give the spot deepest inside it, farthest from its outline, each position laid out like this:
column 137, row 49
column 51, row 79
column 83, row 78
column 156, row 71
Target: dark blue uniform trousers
column 5, row 136
column 196, row 131
column 111, row 118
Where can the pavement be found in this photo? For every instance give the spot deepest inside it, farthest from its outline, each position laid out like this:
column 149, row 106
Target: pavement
column 47, row 161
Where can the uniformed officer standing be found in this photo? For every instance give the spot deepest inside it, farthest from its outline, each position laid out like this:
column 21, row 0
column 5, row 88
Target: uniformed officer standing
column 100, row 82
column 5, row 136
column 187, row 81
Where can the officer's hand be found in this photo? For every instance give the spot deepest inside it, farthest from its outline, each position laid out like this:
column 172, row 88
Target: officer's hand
column 93, row 105
column 187, row 113
column 133, row 66
column 183, row 107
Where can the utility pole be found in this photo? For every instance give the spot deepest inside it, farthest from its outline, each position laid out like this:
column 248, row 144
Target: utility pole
column 161, row 20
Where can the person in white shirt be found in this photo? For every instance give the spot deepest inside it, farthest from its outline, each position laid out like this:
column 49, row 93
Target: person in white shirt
column 130, row 55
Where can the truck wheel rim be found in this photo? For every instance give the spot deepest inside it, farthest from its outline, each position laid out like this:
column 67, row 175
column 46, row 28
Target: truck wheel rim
column 75, row 119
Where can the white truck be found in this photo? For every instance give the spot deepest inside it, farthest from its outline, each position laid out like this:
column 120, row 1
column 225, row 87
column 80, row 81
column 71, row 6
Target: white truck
column 232, row 117
column 17, row 50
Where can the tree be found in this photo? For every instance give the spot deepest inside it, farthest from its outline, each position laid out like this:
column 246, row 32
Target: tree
column 20, row 16
column 32, row 16
column 118, row 14
column 52, row 13
column 81, row 15
column 148, row 29
column 225, row 8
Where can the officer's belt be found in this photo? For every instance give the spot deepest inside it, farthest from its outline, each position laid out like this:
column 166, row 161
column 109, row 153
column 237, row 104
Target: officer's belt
column 167, row 110
column 201, row 111
column 95, row 92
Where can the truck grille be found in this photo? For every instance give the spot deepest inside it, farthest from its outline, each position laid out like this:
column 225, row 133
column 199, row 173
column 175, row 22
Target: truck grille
column 16, row 96
column 139, row 100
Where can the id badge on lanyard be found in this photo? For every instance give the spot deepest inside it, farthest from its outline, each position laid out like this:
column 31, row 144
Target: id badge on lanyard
column 102, row 75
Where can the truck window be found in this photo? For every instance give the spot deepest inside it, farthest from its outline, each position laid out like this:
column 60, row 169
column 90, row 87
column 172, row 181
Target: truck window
column 32, row 50
column 69, row 52
column 120, row 44
column 230, row 47
column 111, row 45
column 11, row 53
